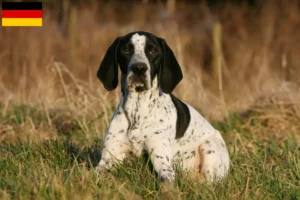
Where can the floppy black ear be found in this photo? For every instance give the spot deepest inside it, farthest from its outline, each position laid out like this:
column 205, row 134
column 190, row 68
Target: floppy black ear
column 170, row 72
column 108, row 70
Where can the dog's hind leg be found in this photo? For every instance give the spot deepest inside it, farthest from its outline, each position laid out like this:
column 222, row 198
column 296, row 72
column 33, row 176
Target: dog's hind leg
column 214, row 158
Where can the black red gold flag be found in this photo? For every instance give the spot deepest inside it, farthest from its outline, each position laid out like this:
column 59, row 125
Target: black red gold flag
column 22, row 14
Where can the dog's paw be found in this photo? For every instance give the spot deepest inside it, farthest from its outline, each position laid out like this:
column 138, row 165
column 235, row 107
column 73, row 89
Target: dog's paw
column 99, row 169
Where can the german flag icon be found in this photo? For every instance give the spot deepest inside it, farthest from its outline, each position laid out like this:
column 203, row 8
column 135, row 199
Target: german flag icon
column 22, row 14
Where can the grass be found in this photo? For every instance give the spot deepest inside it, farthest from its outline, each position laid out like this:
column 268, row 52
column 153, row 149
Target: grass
column 262, row 166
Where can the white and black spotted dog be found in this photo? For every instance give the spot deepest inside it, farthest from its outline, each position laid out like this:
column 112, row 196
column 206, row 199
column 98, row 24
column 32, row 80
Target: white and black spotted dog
column 150, row 118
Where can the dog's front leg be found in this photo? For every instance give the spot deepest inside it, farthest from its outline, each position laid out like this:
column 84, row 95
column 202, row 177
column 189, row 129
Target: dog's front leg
column 160, row 149
column 116, row 142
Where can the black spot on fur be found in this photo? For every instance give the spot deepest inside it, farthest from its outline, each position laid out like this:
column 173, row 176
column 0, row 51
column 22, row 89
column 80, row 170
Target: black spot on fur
column 183, row 116
column 206, row 142
column 200, row 167
column 145, row 136
column 156, row 132
column 167, row 158
column 121, row 131
column 148, row 126
column 209, row 152
column 133, row 138
column 193, row 153
column 161, row 120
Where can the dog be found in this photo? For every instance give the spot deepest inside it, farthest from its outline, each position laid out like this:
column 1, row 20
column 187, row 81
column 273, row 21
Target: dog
column 150, row 118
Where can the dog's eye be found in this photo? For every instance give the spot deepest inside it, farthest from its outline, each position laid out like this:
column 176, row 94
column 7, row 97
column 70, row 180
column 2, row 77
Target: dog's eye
column 152, row 51
column 126, row 51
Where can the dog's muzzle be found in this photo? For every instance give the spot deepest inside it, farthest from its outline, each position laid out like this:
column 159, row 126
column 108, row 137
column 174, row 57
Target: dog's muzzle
column 138, row 79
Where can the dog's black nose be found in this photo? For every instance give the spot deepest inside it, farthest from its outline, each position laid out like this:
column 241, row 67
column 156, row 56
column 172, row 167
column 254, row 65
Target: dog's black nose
column 139, row 68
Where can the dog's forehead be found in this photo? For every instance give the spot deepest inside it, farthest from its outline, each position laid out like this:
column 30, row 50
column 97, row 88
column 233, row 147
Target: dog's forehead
column 138, row 41
column 140, row 38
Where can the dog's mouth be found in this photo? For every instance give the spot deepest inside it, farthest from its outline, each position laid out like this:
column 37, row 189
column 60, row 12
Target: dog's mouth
column 138, row 85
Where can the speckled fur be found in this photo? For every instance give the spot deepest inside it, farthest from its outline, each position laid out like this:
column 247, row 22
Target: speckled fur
column 147, row 121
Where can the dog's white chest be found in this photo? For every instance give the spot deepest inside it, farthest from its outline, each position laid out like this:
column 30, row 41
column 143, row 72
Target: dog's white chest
column 149, row 116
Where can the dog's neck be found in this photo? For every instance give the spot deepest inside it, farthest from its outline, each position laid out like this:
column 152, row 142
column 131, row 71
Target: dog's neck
column 139, row 103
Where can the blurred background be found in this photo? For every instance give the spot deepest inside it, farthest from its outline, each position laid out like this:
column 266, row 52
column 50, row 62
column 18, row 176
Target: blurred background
column 233, row 53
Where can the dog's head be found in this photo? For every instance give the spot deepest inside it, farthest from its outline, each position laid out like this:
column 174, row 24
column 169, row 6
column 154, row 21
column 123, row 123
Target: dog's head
column 142, row 57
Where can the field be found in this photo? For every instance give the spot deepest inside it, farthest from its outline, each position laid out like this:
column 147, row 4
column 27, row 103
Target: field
column 54, row 111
